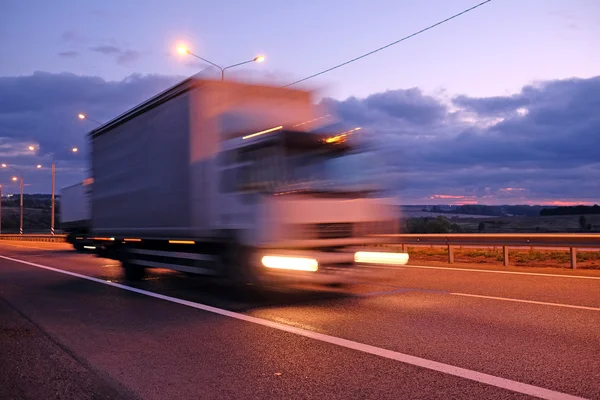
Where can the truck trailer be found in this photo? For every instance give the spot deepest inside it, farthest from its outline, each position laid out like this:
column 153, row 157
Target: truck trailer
column 75, row 216
column 248, row 182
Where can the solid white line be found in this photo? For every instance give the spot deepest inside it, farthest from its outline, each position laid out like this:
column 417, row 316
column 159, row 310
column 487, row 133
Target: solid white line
column 491, row 380
column 491, row 271
column 527, row 301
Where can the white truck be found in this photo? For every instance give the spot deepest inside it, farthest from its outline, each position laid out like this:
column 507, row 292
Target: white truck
column 235, row 180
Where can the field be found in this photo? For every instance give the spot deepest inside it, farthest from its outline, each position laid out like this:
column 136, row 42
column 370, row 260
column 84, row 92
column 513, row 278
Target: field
column 526, row 257
column 34, row 219
column 474, row 224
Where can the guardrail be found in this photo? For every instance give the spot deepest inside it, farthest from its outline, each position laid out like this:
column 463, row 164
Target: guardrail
column 34, row 237
column 570, row 241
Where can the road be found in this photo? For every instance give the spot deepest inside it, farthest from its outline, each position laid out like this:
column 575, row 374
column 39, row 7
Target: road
column 70, row 327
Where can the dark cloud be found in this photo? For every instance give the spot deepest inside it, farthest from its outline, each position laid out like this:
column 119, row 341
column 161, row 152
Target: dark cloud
column 42, row 108
column 408, row 107
column 68, row 54
column 491, row 105
column 123, row 57
column 108, row 50
column 544, row 139
column 428, row 151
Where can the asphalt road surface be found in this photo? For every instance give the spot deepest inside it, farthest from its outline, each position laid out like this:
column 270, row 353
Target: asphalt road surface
column 71, row 328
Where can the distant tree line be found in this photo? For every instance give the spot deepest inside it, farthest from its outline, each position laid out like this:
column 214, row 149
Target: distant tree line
column 36, row 213
column 499, row 211
column 570, row 210
column 39, row 201
column 431, row 225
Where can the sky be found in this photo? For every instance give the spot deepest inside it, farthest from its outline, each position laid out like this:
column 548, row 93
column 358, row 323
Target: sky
column 496, row 106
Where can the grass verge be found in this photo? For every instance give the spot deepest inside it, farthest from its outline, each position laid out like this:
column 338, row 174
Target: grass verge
column 517, row 257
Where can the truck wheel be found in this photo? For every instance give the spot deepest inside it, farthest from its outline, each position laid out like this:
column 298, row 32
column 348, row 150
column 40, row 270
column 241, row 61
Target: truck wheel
column 133, row 272
column 237, row 260
column 78, row 247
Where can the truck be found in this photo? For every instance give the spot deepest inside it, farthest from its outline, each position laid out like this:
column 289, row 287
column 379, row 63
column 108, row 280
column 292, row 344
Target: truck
column 75, row 217
column 252, row 183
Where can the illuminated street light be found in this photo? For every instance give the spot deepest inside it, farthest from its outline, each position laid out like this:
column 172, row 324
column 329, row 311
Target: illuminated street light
column 84, row 116
column 14, row 178
column 185, row 50
column 74, row 150
column 39, row 166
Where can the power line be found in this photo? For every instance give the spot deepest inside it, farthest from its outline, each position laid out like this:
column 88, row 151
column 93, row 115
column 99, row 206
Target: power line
column 390, row 44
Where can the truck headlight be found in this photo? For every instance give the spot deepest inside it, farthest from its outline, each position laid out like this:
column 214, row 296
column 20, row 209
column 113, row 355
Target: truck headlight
column 372, row 257
column 291, row 263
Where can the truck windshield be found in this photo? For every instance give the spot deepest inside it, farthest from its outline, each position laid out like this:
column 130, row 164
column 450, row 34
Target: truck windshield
column 322, row 171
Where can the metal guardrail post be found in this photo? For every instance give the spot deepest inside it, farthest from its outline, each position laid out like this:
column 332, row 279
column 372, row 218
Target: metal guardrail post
column 505, row 255
column 574, row 257
column 450, row 254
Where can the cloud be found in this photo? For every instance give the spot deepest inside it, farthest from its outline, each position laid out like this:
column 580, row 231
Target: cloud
column 123, row 57
column 68, row 54
column 428, row 150
column 406, row 107
column 543, row 140
column 107, row 50
column 41, row 109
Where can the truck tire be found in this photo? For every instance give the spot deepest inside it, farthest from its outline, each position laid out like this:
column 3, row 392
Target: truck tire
column 237, row 260
column 133, row 272
column 78, row 247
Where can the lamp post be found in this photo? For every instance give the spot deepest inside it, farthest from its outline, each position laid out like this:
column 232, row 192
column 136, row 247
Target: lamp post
column 185, row 50
column 20, row 179
column 52, row 215
column 84, row 116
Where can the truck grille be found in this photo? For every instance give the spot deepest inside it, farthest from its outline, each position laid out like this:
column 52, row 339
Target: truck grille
column 334, row 230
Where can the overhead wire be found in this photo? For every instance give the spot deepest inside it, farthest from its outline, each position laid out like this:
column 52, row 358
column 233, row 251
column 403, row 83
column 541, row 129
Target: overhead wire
column 390, row 44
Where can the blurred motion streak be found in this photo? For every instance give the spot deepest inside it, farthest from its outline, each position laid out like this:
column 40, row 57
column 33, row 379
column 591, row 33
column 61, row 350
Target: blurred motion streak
column 291, row 263
column 263, row 132
column 257, row 207
column 381, row 258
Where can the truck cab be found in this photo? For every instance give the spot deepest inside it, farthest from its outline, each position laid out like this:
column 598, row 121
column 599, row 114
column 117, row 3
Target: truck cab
column 299, row 197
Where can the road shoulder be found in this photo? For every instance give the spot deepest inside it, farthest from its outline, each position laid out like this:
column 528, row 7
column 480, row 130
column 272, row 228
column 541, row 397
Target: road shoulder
column 33, row 366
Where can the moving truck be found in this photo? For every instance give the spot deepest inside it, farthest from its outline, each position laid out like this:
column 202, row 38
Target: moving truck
column 75, row 216
column 249, row 182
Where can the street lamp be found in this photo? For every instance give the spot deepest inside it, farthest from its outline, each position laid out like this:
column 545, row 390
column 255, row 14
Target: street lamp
column 185, row 50
column 14, row 178
column 83, row 116
column 74, row 150
column 21, row 187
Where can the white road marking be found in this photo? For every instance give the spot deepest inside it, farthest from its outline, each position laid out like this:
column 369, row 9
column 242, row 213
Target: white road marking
column 491, row 271
column 527, row 301
column 481, row 377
